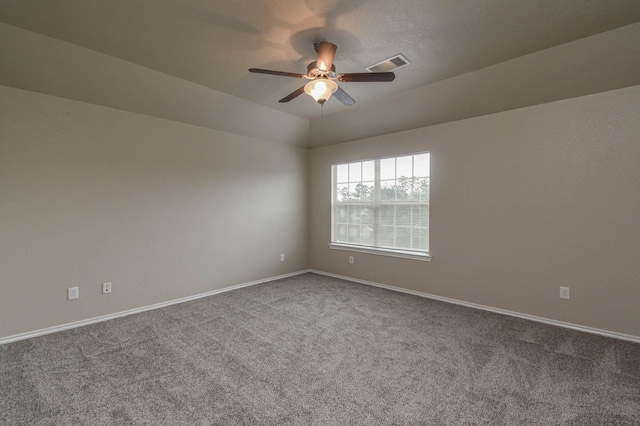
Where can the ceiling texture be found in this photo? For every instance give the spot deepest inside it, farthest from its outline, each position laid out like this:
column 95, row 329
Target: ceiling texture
column 212, row 43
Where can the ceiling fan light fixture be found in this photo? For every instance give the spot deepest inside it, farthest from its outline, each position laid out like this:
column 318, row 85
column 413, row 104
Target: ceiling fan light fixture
column 321, row 89
column 322, row 75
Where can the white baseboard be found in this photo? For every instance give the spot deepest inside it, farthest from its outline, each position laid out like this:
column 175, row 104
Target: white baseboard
column 81, row 323
column 621, row 336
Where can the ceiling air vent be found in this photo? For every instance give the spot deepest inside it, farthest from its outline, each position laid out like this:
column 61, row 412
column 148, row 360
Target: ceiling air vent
column 391, row 64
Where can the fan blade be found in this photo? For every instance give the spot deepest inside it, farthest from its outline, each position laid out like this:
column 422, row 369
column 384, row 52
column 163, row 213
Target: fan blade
column 367, row 76
column 343, row 97
column 326, row 53
column 292, row 95
column 282, row 73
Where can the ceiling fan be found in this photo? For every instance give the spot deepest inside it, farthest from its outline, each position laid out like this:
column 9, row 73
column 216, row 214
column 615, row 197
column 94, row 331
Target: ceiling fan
column 323, row 76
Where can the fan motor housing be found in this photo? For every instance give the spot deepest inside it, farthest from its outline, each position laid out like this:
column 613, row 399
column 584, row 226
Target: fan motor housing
column 313, row 71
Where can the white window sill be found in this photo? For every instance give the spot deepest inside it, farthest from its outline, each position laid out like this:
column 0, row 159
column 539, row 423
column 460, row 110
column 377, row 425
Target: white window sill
column 382, row 251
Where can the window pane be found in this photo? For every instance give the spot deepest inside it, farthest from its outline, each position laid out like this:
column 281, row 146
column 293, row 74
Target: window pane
column 353, row 192
column 342, row 233
column 387, row 190
column 363, row 191
column 354, row 233
column 424, row 217
column 341, row 214
column 424, row 240
column 383, row 203
column 404, row 166
column 415, row 190
column 387, row 215
column 403, row 215
column 368, row 170
column 367, row 215
column 342, row 192
column 354, row 214
column 415, row 239
column 403, row 238
column 387, row 168
column 421, row 189
column 420, row 216
column 372, row 190
column 403, row 188
column 421, row 165
column 386, row 236
column 366, row 235
column 342, row 173
column 355, row 172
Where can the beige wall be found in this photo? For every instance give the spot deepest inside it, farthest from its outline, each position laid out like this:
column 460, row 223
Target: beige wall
column 162, row 209
column 522, row 202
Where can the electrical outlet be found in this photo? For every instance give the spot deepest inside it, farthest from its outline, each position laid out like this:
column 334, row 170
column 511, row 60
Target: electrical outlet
column 282, row 257
column 72, row 293
column 351, row 260
column 106, row 288
column 564, row 293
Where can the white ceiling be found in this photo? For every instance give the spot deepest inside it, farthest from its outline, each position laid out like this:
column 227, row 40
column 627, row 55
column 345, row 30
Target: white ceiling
column 214, row 42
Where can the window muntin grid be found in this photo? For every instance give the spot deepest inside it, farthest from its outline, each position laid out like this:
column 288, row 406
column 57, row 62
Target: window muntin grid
column 382, row 203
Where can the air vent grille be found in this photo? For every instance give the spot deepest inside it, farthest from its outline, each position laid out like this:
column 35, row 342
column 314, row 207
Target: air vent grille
column 393, row 63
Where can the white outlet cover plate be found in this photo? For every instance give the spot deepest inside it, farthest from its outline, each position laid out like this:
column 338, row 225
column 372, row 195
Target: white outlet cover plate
column 72, row 293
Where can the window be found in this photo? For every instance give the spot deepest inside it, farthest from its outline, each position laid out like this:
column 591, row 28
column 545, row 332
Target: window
column 382, row 206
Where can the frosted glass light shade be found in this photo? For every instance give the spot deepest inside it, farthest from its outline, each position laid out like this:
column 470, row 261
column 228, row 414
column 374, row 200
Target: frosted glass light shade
column 321, row 89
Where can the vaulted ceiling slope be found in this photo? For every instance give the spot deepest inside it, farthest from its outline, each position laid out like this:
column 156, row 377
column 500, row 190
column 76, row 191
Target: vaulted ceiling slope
column 187, row 60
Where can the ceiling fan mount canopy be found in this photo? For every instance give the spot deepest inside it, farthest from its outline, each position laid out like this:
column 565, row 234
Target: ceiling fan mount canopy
column 323, row 76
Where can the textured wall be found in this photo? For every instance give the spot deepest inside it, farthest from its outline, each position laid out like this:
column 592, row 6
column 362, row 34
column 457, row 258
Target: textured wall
column 522, row 202
column 162, row 209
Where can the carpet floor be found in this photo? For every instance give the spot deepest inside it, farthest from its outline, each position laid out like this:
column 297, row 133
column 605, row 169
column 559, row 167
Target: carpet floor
column 313, row 350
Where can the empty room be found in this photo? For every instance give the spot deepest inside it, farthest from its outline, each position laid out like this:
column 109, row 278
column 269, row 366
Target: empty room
column 319, row 212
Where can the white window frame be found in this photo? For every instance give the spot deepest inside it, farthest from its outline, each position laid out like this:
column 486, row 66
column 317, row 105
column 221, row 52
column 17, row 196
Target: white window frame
column 376, row 204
